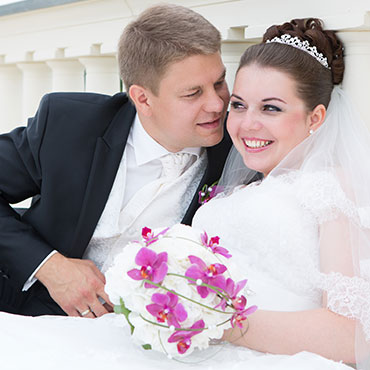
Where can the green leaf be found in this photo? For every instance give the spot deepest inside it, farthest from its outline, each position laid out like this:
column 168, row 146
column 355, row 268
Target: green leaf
column 147, row 346
column 123, row 310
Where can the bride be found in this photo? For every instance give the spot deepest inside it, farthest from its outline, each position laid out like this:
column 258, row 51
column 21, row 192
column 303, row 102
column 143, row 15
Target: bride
column 301, row 234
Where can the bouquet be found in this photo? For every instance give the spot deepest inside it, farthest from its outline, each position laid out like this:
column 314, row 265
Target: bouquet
column 177, row 290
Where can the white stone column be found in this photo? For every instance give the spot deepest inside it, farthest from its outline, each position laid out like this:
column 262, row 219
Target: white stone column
column 67, row 75
column 357, row 70
column 10, row 97
column 101, row 74
column 36, row 83
column 231, row 52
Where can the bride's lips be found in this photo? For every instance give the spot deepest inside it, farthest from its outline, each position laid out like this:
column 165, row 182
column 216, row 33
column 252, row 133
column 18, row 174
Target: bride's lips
column 210, row 124
column 256, row 145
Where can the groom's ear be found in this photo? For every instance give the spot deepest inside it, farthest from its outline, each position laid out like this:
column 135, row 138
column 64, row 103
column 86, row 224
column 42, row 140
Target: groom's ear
column 141, row 98
column 317, row 117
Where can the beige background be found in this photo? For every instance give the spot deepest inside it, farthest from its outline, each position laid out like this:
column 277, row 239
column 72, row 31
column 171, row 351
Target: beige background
column 72, row 47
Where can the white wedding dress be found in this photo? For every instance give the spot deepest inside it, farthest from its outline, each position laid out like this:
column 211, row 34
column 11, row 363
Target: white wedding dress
column 270, row 228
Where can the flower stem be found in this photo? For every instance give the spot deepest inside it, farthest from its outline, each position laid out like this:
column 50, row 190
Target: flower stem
column 180, row 329
column 187, row 298
column 214, row 288
column 201, row 245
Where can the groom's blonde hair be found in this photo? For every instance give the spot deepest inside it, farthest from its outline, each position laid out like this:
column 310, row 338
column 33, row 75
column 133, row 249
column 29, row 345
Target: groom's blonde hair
column 160, row 36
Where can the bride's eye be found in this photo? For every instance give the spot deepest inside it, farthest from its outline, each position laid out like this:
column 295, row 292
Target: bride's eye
column 271, row 108
column 235, row 105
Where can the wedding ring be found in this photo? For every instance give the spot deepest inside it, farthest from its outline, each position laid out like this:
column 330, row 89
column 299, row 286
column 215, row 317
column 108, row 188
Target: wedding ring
column 85, row 312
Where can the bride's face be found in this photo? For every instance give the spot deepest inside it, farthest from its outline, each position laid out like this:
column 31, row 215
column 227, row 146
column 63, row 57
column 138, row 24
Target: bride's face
column 267, row 118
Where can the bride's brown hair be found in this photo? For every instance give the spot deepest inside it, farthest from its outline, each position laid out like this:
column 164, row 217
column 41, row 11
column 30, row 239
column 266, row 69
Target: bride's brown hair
column 314, row 81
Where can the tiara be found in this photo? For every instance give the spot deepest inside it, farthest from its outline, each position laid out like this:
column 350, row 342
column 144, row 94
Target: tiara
column 305, row 46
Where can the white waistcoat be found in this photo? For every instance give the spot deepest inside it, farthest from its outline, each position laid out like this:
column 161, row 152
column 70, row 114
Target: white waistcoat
column 166, row 208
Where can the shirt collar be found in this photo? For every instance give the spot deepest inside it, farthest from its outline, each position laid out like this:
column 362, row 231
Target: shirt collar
column 146, row 149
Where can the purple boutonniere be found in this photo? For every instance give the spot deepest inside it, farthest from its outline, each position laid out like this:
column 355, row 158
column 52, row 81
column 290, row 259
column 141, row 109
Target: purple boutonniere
column 208, row 192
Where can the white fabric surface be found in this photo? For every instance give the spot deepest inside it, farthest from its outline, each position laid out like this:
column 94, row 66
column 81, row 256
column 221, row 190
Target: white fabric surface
column 49, row 343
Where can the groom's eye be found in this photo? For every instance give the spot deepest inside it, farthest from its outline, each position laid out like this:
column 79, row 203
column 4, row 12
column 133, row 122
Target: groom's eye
column 219, row 83
column 192, row 94
column 271, row 108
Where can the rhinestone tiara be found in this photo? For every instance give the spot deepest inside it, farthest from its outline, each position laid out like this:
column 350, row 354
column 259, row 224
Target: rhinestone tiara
column 305, row 46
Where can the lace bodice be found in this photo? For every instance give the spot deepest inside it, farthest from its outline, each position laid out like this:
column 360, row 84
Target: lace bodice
column 273, row 229
column 274, row 238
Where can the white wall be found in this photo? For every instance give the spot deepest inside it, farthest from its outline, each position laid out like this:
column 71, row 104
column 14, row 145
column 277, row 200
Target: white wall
column 72, row 47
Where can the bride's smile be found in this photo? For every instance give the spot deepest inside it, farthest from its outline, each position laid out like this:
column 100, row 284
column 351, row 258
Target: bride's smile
column 254, row 145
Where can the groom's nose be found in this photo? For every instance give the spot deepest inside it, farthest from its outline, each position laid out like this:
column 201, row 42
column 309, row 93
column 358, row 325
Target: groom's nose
column 214, row 102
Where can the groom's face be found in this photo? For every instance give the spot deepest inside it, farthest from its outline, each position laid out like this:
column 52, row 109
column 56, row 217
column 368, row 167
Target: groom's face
column 190, row 106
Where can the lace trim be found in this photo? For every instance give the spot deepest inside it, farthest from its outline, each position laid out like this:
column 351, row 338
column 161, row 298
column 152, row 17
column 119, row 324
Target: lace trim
column 322, row 194
column 349, row 297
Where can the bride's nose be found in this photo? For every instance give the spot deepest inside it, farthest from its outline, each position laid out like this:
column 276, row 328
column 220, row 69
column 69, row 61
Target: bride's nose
column 251, row 121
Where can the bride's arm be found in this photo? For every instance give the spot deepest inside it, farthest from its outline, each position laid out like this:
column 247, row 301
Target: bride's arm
column 320, row 331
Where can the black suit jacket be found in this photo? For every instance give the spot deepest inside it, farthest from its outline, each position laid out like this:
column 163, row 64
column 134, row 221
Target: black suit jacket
column 67, row 157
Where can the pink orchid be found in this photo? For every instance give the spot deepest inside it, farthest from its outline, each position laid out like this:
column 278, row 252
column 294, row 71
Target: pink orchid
column 231, row 289
column 239, row 316
column 183, row 337
column 213, row 245
column 211, row 275
column 149, row 237
column 207, row 193
column 153, row 266
column 166, row 308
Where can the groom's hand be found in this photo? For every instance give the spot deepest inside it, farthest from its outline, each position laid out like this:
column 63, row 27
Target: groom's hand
column 75, row 285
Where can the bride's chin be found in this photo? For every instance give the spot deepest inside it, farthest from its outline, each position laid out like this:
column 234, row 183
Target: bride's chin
column 252, row 165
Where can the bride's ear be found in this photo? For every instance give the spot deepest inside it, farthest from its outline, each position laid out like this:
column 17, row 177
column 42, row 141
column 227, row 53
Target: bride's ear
column 317, row 117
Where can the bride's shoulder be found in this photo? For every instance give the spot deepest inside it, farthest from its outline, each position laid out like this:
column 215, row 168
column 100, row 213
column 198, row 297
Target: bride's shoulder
column 322, row 192
column 321, row 179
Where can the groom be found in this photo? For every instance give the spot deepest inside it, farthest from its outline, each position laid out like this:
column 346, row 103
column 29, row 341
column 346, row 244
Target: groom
column 99, row 166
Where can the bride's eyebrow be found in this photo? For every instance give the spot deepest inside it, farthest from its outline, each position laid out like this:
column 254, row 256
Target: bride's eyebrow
column 238, row 97
column 278, row 99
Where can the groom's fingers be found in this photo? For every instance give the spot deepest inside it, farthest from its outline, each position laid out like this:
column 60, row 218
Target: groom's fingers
column 97, row 307
column 97, row 272
column 108, row 307
column 102, row 294
column 74, row 285
column 87, row 313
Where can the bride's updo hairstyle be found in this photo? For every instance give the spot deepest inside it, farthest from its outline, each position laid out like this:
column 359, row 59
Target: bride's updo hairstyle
column 314, row 80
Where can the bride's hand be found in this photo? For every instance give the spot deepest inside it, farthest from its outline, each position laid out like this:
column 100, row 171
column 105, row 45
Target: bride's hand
column 75, row 285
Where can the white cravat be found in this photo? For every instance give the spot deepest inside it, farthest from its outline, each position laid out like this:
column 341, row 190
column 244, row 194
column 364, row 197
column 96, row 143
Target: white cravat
column 174, row 164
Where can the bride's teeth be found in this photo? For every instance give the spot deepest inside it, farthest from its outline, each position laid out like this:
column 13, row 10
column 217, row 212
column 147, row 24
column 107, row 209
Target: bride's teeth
column 256, row 143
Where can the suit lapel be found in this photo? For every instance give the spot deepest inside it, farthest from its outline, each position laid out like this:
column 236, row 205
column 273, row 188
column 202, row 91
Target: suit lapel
column 107, row 157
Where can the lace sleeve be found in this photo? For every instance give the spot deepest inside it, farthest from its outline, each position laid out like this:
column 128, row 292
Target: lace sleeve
column 343, row 234
column 348, row 296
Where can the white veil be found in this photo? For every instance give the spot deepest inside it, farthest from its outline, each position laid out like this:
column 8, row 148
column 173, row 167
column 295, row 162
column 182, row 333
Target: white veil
column 340, row 148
